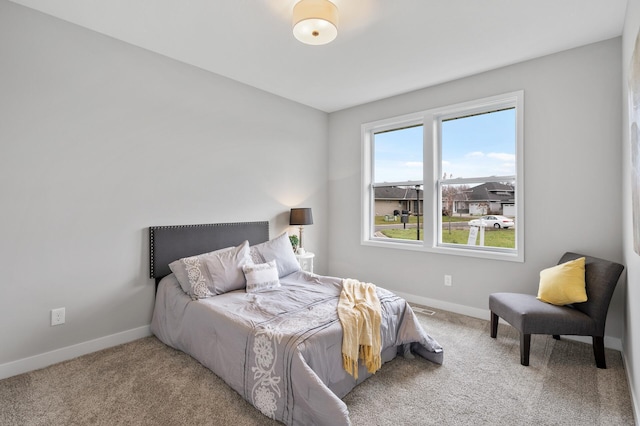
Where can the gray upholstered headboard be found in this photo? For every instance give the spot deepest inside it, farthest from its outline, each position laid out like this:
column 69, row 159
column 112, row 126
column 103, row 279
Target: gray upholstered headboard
column 169, row 243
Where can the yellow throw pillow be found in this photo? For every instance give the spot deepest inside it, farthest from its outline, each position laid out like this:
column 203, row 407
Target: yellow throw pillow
column 563, row 284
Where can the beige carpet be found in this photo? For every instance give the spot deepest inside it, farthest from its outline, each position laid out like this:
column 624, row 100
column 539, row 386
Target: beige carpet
column 480, row 383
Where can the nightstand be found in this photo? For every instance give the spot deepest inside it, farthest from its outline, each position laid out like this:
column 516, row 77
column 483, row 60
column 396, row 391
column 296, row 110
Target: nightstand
column 306, row 261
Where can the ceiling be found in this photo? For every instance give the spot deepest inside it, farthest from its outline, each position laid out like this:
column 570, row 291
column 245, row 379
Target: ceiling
column 383, row 48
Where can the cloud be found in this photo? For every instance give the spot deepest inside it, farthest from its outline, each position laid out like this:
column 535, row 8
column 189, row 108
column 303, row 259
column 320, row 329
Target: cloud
column 502, row 156
column 413, row 164
column 475, row 154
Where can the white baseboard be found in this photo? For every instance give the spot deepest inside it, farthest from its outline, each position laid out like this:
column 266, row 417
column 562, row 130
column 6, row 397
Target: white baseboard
column 63, row 354
column 445, row 306
column 485, row 314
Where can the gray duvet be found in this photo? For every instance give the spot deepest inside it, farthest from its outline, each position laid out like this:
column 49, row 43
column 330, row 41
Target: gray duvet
column 282, row 350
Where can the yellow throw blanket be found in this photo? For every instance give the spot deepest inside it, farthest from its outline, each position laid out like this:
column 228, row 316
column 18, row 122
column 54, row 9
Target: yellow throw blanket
column 360, row 316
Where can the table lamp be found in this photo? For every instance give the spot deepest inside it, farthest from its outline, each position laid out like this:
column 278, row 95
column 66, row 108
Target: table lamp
column 301, row 217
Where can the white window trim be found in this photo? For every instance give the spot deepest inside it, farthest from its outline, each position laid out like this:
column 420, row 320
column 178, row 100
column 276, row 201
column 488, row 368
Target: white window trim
column 432, row 162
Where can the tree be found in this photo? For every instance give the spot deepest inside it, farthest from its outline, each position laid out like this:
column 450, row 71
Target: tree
column 451, row 194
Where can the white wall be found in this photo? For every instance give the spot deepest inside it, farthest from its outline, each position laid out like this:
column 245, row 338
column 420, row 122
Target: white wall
column 572, row 152
column 100, row 140
column 632, row 260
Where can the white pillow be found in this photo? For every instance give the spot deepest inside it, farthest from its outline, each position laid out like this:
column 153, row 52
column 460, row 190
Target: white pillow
column 261, row 277
column 277, row 249
column 212, row 273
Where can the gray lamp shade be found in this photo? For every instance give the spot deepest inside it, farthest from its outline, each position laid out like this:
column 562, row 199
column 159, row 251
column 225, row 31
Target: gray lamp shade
column 301, row 216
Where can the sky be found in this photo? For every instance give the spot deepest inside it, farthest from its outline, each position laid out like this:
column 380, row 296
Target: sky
column 477, row 146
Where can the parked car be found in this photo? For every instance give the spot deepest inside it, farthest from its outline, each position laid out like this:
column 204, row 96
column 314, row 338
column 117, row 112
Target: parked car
column 493, row 220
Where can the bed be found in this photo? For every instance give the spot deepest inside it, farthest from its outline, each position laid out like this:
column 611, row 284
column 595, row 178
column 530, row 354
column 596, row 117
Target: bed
column 274, row 336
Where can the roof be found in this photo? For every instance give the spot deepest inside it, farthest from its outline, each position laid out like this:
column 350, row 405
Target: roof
column 492, row 191
column 395, row 193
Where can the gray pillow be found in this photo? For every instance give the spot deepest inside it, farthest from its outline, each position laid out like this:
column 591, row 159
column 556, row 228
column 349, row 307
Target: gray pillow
column 278, row 249
column 212, row 273
column 192, row 274
column 225, row 268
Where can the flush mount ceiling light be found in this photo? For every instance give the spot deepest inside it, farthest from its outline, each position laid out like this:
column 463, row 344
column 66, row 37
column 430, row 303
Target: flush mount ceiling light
column 315, row 21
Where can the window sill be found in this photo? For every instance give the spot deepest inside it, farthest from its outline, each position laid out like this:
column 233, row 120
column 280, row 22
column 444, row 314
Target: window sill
column 453, row 251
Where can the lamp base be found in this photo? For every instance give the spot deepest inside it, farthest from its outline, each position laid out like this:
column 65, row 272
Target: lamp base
column 301, row 250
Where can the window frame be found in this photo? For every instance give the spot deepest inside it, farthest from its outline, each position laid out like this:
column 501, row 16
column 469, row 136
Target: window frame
column 431, row 120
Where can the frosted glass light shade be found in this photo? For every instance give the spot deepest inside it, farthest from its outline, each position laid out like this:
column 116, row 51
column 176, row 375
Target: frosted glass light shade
column 315, row 21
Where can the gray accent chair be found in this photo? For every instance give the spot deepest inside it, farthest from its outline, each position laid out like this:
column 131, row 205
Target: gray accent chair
column 530, row 316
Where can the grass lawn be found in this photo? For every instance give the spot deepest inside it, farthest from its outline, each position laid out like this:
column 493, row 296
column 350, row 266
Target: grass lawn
column 492, row 237
column 446, row 219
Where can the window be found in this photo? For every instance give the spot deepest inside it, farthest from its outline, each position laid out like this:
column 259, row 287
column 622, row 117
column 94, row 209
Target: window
column 447, row 180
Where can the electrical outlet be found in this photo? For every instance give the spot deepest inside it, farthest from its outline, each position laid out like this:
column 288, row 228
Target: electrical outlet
column 447, row 280
column 57, row 316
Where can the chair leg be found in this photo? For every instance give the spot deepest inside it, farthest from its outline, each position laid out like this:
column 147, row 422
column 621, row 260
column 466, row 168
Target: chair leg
column 556, row 336
column 525, row 347
column 598, row 351
column 494, row 325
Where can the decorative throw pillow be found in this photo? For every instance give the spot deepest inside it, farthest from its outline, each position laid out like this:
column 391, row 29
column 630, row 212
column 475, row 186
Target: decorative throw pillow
column 212, row 273
column 278, row 249
column 261, row 277
column 563, row 284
